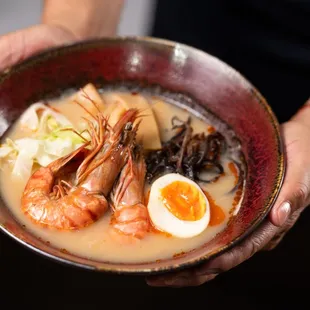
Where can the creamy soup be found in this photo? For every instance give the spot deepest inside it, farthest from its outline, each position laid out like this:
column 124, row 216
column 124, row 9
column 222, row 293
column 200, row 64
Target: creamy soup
column 94, row 241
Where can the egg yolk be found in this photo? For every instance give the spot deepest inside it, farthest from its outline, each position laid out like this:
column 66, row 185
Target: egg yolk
column 184, row 201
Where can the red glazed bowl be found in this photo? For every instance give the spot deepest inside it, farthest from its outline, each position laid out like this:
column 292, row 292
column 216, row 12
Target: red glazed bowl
column 161, row 66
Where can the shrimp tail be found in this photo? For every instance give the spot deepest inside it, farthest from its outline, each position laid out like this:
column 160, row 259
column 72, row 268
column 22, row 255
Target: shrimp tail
column 131, row 221
column 51, row 199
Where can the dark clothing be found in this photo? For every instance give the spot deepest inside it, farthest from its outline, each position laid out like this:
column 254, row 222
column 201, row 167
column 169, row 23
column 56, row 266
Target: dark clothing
column 268, row 42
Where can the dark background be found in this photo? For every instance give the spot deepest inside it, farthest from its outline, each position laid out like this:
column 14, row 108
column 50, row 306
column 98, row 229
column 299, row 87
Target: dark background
column 269, row 280
column 266, row 41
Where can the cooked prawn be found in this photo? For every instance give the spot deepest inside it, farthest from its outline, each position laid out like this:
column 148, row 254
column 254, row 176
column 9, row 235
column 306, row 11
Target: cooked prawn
column 130, row 217
column 73, row 205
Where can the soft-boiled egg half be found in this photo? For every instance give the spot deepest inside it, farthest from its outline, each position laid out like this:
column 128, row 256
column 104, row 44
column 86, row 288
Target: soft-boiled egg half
column 178, row 206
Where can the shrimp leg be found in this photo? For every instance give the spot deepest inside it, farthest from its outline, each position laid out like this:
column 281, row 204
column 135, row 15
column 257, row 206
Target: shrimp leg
column 49, row 200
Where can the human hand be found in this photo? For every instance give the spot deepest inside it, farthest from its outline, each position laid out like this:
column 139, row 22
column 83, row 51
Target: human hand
column 63, row 22
column 18, row 45
column 292, row 200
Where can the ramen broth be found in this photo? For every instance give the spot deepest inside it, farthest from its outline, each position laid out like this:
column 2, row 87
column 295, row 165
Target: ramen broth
column 93, row 242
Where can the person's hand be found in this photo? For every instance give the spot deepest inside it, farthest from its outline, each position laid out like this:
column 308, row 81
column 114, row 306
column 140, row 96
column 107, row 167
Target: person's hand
column 18, row 45
column 292, row 200
column 62, row 22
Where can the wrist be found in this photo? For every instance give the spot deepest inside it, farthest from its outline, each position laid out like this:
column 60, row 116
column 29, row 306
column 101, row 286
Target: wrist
column 84, row 19
column 80, row 31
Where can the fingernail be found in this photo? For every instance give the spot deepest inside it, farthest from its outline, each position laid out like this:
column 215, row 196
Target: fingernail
column 283, row 212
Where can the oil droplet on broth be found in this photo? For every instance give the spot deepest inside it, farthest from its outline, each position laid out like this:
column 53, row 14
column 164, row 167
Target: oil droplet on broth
column 217, row 215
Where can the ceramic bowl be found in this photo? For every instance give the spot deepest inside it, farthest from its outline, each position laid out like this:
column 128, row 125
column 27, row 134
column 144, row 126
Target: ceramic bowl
column 161, row 66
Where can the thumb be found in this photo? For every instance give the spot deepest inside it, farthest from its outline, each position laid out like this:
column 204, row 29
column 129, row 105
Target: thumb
column 294, row 194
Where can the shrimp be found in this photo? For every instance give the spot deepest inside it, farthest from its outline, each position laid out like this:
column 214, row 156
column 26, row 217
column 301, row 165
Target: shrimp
column 53, row 202
column 130, row 219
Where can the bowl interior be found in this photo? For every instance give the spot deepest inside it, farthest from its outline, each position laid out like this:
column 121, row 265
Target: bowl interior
column 174, row 70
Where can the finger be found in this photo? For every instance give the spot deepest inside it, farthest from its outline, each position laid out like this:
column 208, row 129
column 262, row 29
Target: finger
column 243, row 251
column 185, row 278
column 208, row 271
column 274, row 242
column 19, row 45
column 294, row 193
column 283, row 231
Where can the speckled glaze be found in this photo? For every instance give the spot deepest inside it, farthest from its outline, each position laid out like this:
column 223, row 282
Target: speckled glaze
column 149, row 62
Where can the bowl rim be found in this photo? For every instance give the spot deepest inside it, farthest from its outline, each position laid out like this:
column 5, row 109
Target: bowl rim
column 130, row 269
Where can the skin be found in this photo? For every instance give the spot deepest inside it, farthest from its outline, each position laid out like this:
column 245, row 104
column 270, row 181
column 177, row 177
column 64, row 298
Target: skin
column 292, row 200
column 64, row 22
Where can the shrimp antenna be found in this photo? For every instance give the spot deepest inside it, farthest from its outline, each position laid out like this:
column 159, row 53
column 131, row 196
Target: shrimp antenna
column 139, row 115
column 85, row 95
column 51, row 107
column 99, row 139
column 143, row 110
column 74, row 131
column 142, row 115
column 107, row 118
column 129, row 174
column 87, row 111
column 93, row 129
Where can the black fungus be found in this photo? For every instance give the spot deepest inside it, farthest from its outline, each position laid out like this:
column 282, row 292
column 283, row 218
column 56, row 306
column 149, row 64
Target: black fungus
column 188, row 154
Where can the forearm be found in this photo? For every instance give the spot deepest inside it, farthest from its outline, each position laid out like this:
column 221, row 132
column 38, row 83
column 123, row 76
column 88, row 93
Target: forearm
column 84, row 18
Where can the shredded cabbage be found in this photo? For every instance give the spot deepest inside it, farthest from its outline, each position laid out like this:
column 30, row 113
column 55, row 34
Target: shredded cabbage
column 58, row 147
column 54, row 137
column 5, row 151
column 57, row 118
column 23, row 166
column 44, row 159
column 28, row 146
column 30, row 117
column 68, row 133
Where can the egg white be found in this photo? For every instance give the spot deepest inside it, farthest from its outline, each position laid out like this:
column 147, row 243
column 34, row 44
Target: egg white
column 164, row 220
